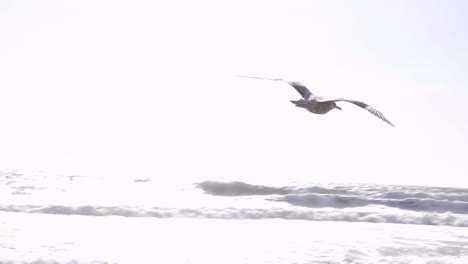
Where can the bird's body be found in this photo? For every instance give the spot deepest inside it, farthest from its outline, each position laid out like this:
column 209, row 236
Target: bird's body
column 314, row 106
column 319, row 105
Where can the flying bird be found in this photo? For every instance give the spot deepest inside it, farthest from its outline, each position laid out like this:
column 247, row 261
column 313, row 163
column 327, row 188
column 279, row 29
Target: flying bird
column 319, row 105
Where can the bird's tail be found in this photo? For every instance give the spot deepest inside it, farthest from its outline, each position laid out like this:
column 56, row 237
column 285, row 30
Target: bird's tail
column 298, row 103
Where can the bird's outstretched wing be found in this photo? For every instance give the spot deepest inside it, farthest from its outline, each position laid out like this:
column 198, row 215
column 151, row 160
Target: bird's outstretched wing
column 300, row 88
column 369, row 108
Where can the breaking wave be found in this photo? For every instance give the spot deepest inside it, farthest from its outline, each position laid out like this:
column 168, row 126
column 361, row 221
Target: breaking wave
column 414, row 204
column 414, row 198
column 384, row 204
column 243, row 213
column 373, row 203
column 239, row 200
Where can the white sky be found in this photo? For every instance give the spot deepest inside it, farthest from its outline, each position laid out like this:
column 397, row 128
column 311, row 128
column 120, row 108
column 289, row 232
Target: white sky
column 148, row 89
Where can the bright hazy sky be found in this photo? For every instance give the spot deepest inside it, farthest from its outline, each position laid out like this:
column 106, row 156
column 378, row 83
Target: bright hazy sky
column 149, row 89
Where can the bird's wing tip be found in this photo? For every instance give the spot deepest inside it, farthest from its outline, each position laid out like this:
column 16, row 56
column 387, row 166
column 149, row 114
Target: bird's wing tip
column 263, row 78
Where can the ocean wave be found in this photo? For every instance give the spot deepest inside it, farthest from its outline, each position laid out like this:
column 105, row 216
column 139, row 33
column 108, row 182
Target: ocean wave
column 454, row 195
column 241, row 200
column 338, row 201
column 414, row 198
column 417, row 218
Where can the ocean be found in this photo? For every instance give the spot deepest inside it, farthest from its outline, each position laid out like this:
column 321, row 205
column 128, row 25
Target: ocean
column 51, row 218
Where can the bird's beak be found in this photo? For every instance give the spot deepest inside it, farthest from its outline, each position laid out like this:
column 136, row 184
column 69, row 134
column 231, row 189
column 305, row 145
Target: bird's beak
column 337, row 107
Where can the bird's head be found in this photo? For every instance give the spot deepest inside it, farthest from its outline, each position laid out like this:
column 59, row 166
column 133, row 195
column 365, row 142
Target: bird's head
column 335, row 106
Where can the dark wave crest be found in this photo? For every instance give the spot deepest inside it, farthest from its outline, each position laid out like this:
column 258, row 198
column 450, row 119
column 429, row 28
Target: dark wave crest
column 243, row 189
column 238, row 189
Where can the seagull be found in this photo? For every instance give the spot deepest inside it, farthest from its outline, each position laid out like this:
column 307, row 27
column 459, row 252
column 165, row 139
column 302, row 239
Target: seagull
column 319, row 105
